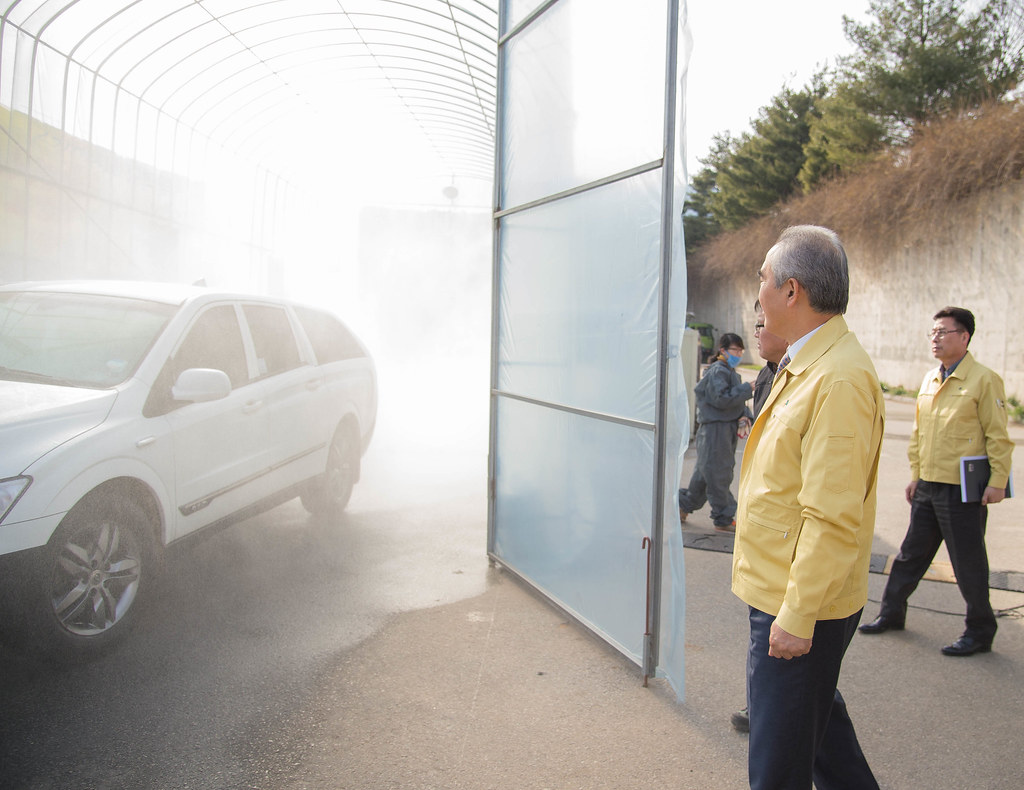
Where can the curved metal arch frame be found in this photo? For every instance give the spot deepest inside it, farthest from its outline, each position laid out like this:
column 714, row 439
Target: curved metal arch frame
column 358, row 30
column 473, row 102
column 471, row 98
column 392, row 80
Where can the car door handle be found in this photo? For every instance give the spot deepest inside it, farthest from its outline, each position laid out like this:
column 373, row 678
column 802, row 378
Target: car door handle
column 145, row 442
column 252, row 406
column 313, row 384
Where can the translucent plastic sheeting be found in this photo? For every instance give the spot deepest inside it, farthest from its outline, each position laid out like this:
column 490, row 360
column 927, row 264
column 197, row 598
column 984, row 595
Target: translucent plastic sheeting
column 579, row 300
column 517, row 10
column 671, row 628
column 588, row 411
column 676, row 426
column 585, row 95
column 575, row 504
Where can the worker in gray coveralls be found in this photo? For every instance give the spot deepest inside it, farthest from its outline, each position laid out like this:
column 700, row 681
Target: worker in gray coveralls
column 721, row 406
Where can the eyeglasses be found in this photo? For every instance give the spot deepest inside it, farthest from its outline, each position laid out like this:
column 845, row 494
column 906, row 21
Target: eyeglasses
column 938, row 333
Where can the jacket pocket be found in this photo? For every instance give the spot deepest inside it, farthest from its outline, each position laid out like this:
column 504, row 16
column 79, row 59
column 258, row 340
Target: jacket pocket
column 770, row 531
column 774, row 516
column 766, row 561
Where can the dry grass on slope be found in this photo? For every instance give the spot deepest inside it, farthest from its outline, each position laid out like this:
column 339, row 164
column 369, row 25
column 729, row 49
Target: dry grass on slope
column 903, row 196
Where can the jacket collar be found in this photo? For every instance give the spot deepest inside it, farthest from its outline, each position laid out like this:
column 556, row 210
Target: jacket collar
column 818, row 344
column 822, row 341
column 961, row 371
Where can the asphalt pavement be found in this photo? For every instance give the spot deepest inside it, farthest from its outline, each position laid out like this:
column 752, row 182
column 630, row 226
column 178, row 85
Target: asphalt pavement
column 500, row 690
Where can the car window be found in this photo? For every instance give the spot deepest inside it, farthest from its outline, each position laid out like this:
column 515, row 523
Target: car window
column 214, row 341
column 273, row 338
column 331, row 339
column 79, row 340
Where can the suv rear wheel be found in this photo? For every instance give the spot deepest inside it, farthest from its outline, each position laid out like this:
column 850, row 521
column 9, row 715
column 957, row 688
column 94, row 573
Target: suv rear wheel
column 329, row 494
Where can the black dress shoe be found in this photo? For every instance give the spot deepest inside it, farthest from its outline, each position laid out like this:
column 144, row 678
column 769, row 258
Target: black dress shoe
column 966, row 646
column 880, row 625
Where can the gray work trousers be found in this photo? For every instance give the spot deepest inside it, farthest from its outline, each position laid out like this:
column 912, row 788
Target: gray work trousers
column 712, row 475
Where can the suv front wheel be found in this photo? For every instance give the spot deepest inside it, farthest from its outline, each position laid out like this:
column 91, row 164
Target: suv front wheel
column 99, row 569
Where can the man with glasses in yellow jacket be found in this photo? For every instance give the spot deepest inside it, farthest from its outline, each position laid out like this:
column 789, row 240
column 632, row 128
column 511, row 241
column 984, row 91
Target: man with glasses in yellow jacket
column 805, row 521
column 961, row 412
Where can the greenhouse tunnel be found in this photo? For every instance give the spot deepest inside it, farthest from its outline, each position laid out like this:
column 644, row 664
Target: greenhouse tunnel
column 481, row 166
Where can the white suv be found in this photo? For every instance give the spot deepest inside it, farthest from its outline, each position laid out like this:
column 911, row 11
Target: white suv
column 133, row 415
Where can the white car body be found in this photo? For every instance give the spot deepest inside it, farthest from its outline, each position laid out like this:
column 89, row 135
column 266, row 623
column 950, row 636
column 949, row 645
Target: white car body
column 242, row 446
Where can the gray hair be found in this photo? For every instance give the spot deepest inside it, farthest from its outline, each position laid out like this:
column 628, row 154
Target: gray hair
column 815, row 258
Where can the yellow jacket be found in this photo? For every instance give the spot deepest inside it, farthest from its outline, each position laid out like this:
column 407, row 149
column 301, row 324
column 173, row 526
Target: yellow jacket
column 965, row 415
column 807, row 492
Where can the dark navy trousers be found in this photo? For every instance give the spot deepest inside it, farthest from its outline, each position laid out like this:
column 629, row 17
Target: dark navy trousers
column 800, row 731
column 937, row 514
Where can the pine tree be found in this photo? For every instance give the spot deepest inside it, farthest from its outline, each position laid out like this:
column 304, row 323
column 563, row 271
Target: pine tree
column 921, row 59
column 763, row 167
column 843, row 136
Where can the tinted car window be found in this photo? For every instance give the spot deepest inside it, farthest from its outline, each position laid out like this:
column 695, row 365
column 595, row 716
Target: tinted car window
column 276, row 349
column 331, row 339
column 82, row 340
column 213, row 341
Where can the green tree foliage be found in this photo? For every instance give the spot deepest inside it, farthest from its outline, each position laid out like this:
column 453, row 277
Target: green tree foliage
column 916, row 60
column 761, row 168
column 843, row 136
column 699, row 223
column 921, row 59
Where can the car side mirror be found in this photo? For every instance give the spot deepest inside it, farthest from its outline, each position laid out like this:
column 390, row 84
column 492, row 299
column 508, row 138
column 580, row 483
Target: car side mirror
column 199, row 385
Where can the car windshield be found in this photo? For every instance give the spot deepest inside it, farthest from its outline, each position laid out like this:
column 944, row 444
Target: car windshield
column 77, row 340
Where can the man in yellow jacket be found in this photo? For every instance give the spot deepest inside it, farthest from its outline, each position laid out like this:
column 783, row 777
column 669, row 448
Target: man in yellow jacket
column 806, row 519
column 961, row 411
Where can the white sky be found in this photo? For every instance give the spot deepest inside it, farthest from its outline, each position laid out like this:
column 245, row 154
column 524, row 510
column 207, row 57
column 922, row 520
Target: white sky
column 744, row 51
